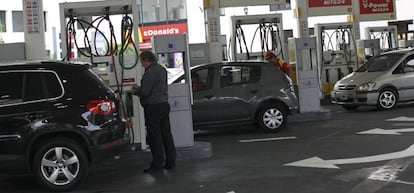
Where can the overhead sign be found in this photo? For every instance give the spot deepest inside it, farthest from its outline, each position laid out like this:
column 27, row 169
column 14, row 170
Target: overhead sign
column 280, row 7
column 328, row 3
column 374, row 10
column 243, row 3
column 329, row 7
column 33, row 16
column 376, row 6
column 147, row 32
column 369, row 10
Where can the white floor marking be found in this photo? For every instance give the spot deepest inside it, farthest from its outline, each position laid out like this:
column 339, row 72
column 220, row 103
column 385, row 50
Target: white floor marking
column 402, row 118
column 266, row 139
column 379, row 131
column 403, row 124
column 385, row 174
column 316, row 162
column 403, row 182
column 388, row 175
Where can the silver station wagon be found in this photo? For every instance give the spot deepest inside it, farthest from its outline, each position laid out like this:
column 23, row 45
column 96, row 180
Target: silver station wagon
column 383, row 81
column 241, row 92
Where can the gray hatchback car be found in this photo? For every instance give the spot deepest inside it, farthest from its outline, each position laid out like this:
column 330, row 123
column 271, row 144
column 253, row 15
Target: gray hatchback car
column 241, row 92
column 383, row 81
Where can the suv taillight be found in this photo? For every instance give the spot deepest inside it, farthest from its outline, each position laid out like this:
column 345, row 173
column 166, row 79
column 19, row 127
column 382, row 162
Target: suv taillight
column 102, row 107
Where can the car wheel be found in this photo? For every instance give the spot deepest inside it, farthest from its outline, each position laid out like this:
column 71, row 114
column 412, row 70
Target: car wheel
column 387, row 99
column 60, row 164
column 272, row 118
column 350, row 107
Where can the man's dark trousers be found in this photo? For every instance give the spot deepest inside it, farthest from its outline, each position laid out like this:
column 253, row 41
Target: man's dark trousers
column 159, row 135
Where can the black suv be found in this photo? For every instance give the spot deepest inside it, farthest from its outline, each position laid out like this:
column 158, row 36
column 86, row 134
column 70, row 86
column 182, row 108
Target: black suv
column 56, row 118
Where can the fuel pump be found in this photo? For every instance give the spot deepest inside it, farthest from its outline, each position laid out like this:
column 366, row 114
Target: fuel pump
column 387, row 35
column 302, row 54
column 367, row 49
column 406, row 40
column 173, row 50
column 254, row 35
column 114, row 59
column 337, row 54
column 405, row 43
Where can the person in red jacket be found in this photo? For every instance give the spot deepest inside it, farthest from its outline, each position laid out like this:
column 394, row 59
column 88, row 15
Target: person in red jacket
column 278, row 62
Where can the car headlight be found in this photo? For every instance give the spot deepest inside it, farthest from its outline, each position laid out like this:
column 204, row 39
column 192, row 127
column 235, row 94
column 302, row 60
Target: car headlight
column 336, row 86
column 366, row 87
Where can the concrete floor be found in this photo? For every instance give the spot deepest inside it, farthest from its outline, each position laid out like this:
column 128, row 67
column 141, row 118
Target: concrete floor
column 234, row 166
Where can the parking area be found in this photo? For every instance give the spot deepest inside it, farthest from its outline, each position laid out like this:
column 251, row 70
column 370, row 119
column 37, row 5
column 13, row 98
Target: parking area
column 362, row 151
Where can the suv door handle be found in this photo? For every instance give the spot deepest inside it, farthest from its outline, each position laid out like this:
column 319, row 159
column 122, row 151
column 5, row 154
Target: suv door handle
column 10, row 137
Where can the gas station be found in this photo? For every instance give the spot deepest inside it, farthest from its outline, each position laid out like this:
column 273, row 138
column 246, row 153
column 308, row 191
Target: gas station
column 319, row 60
column 334, row 50
column 320, row 56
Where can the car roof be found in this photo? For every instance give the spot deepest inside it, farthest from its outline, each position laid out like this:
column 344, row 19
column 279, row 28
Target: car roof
column 43, row 64
column 236, row 63
column 224, row 63
column 403, row 50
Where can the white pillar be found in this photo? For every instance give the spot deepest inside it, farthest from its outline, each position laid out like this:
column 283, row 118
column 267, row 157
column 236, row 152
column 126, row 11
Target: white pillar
column 34, row 32
column 213, row 32
column 301, row 15
column 355, row 18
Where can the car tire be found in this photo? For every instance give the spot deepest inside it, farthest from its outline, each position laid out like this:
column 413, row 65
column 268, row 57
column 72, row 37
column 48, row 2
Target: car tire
column 350, row 107
column 387, row 99
column 272, row 118
column 60, row 164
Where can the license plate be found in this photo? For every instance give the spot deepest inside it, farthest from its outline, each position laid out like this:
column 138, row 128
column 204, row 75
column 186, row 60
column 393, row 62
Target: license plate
column 342, row 96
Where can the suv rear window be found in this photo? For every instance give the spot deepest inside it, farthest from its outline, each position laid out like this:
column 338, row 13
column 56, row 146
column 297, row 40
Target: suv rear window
column 28, row 86
column 54, row 88
column 11, row 93
column 90, row 81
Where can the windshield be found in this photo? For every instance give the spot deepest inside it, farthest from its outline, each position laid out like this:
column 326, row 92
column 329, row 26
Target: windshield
column 171, row 72
column 381, row 63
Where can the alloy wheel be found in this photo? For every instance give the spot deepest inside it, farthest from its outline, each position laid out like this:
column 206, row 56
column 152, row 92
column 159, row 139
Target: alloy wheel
column 60, row 166
column 387, row 99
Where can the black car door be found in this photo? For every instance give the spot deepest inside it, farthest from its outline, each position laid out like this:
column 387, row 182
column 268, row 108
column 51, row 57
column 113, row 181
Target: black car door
column 23, row 108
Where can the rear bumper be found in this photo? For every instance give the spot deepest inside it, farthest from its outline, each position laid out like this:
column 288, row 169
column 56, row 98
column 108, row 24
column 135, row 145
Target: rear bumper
column 111, row 149
column 291, row 101
column 293, row 110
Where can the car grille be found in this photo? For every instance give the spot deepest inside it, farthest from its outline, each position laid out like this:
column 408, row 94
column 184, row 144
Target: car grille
column 346, row 87
column 344, row 100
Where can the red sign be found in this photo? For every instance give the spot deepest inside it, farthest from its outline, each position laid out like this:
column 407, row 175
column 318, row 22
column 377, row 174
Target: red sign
column 328, row 3
column 128, row 80
column 145, row 46
column 376, row 6
column 159, row 30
